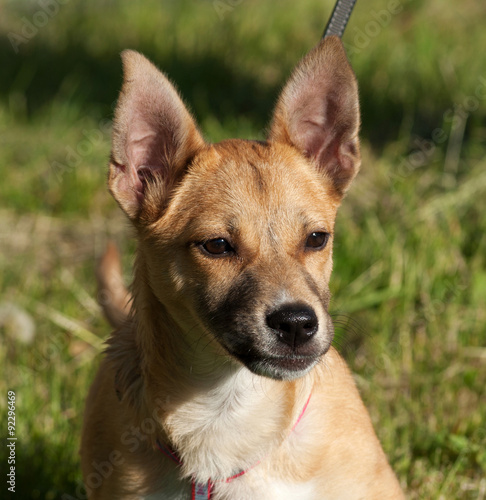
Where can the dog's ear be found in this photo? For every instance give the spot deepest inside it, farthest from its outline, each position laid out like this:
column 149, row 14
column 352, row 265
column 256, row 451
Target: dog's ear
column 154, row 138
column 318, row 113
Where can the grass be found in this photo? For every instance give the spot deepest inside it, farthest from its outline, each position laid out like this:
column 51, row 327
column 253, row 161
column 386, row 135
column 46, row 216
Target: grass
column 410, row 256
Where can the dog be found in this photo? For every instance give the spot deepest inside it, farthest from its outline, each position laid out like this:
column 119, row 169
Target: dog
column 220, row 380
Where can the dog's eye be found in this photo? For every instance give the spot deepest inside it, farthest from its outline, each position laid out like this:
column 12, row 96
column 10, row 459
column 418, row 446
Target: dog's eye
column 317, row 240
column 217, row 246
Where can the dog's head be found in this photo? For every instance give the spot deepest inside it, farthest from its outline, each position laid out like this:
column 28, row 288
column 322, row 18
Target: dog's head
column 236, row 237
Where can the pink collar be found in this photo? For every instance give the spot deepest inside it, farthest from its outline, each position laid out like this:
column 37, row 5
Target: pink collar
column 202, row 491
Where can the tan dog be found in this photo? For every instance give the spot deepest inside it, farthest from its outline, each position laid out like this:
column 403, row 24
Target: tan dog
column 222, row 382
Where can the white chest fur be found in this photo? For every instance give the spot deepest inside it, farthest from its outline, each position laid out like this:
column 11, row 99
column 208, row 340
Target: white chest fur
column 233, row 427
column 229, row 428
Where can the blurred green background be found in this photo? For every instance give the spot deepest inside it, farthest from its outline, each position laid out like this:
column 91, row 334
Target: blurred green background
column 409, row 280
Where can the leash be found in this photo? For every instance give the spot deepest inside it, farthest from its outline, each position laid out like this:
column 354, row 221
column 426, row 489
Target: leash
column 339, row 18
column 202, row 491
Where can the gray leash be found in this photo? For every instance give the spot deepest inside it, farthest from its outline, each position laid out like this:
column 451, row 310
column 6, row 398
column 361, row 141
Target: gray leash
column 339, row 18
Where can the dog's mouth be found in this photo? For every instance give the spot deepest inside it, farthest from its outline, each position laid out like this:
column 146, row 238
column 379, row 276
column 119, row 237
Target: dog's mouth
column 287, row 367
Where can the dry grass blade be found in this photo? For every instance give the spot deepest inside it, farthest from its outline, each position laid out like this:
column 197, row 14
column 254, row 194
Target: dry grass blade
column 70, row 325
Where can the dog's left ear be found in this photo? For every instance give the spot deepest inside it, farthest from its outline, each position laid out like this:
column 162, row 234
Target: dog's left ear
column 318, row 113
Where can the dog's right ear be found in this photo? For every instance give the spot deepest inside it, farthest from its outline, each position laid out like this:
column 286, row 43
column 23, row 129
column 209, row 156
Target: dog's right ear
column 318, row 113
column 154, row 138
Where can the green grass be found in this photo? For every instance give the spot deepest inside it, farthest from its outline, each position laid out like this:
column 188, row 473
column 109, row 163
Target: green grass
column 410, row 255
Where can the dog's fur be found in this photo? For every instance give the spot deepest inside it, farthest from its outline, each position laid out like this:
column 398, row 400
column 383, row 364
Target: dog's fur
column 230, row 235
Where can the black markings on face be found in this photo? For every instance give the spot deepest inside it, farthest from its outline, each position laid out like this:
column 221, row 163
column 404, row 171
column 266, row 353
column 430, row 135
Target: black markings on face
column 235, row 313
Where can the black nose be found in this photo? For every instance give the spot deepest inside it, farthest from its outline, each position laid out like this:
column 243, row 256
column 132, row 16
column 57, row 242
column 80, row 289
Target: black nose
column 294, row 324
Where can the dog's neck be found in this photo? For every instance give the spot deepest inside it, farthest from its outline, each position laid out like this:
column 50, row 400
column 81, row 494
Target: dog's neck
column 217, row 415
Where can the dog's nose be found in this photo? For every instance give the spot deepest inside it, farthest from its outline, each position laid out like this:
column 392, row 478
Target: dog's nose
column 294, row 324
